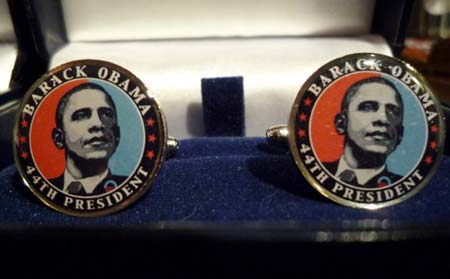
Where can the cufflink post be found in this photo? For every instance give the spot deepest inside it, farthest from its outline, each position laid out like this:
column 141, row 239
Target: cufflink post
column 172, row 147
column 278, row 135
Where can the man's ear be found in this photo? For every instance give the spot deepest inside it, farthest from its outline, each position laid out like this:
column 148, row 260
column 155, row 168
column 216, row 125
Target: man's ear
column 400, row 130
column 340, row 123
column 58, row 138
column 117, row 134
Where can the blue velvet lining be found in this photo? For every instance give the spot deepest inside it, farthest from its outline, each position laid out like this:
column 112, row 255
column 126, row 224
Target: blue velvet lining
column 232, row 179
column 223, row 106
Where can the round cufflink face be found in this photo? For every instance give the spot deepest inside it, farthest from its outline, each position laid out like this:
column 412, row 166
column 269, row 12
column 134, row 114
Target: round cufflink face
column 366, row 131
column 89, row 139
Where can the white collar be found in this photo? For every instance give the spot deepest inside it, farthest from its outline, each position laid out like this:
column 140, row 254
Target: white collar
column 89, row 183
column 362, row 175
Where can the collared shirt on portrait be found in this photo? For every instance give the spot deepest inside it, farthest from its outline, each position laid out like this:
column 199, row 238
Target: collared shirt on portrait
column 89, row 183
column 362, row 175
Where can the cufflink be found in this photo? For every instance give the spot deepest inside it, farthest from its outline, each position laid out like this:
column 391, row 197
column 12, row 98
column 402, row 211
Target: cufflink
column 89, row 138
column 365, row 130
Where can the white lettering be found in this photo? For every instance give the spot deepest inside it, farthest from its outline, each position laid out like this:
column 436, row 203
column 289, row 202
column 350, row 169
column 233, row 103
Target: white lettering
column 45, row 88
column 102, row 72
column 67, row 201
column 28, row 109
column 315, row 89
column 322, row 177
column 396, row 71
column 335, row 72
column 66, row 74
column 325, row 80
column 348, row 68
column 114, row 78
column 79, row 70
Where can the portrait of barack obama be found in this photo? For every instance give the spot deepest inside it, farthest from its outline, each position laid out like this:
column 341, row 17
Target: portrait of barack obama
column 371, row 119
column 88, row 132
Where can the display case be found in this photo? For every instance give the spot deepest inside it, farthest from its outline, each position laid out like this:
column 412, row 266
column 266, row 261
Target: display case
column 224, row 72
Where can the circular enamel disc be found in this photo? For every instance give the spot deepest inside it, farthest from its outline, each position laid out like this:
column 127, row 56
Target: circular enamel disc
column 367, row 131
column 89, row 139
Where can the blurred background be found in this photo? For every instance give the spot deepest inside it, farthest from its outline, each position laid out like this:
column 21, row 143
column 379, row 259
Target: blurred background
column 427, row 44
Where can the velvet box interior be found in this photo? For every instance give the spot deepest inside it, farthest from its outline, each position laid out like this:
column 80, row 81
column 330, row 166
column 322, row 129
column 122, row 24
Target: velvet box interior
column 227, row 189
column 224, row 170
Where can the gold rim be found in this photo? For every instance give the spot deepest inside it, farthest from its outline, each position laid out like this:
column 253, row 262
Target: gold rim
column 162, row 130
column 314, row 183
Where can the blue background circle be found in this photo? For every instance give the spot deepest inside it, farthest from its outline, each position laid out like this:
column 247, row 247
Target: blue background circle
column 130, row 149
column 410, row 150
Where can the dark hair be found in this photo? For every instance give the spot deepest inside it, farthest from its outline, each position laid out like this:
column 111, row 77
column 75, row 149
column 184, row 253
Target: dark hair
column 355, row 87
column 65, row 99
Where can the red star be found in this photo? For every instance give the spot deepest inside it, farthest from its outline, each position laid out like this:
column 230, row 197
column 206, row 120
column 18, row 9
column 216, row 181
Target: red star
column 302, row 117
column 301, row 133
column 22, row 139
column 150, row 122
column 150, row 154
column 24, row 123
column 434, row 128
column 433, row 145
column 24, row 155
column 307, row 102
column 152, row 138
column 428, row 160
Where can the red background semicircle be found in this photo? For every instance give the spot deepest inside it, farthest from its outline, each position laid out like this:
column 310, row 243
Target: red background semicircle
column 49, row 160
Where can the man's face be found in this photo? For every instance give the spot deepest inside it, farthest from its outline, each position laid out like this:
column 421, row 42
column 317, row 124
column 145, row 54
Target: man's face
column 89, row 123
column 374, row 118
